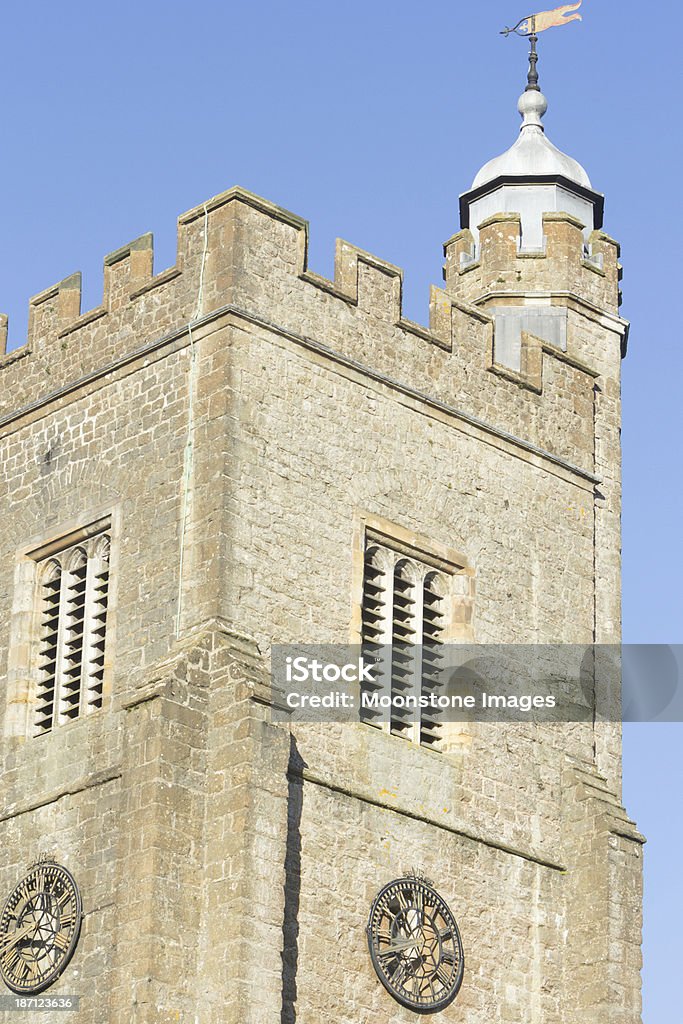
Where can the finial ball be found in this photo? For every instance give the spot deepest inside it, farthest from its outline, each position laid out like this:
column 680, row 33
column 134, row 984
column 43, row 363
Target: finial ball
column 532, row 106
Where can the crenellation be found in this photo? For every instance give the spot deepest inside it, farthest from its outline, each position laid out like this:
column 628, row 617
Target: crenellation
column 240, row 251
column 52, row 309
column 473, row 337
column 127, row 270
column 210, row 251
column 441, row 311
column 499, row 243
column 498, row 263
column 374, row 285
column 563, row 236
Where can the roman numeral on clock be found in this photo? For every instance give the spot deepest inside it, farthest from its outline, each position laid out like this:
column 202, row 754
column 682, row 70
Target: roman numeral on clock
column 10, row 959
column 399, row 975
column 443, row 974
column 61, row 941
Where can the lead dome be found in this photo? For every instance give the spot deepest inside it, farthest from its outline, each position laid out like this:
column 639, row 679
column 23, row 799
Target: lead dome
column 532, row 178
column 533, row 154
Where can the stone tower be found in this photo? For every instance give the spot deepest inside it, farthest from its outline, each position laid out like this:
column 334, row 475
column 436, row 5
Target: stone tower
column 237, row 452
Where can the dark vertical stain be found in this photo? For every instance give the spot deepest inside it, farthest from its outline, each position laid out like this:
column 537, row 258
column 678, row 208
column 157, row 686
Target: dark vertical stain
column 290, row 923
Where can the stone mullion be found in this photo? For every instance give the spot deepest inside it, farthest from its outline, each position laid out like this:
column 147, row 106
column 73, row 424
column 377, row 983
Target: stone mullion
column 74, row 618
column 61, row 644
column 418, row 661
column 406, row 620
column 88, row 625
column 95, row 629
column 387, row 636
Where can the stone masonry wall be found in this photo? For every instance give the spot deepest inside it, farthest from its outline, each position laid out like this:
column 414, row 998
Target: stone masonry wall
column 239, row 418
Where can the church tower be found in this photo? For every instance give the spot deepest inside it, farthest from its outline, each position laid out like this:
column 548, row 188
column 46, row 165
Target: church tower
column 236, row 454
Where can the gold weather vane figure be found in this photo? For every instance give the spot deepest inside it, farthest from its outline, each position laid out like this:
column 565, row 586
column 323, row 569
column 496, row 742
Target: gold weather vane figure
column 529, row 28
column 535, row 23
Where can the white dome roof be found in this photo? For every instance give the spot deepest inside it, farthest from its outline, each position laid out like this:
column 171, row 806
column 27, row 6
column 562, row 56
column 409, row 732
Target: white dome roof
column 533, row 155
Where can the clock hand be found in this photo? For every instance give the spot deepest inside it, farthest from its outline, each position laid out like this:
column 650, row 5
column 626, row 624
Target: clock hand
column 398, row 946
column 12, row 939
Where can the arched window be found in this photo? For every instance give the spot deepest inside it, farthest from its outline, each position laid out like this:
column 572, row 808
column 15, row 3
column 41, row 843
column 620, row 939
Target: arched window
column 73, row 588
column 406, row 617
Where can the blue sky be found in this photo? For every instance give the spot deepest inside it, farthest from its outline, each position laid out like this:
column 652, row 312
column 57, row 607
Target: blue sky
column 369, row 120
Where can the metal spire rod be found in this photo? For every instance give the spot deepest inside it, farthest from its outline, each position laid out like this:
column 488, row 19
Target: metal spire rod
column 532, row 77
column 527, row 29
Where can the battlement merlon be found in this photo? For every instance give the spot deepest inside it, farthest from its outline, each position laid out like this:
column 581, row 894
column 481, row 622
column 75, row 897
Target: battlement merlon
column 240, row 250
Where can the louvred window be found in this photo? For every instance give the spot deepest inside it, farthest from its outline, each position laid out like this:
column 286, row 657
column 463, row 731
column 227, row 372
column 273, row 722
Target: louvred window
column 73, row 599
column 404, row 620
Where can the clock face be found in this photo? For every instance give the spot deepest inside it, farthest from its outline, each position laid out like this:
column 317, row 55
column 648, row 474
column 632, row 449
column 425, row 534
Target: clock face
column 39, row 928
column 415, row 945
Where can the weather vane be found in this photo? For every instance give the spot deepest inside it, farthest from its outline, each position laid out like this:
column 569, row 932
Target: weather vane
column 530, row 26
